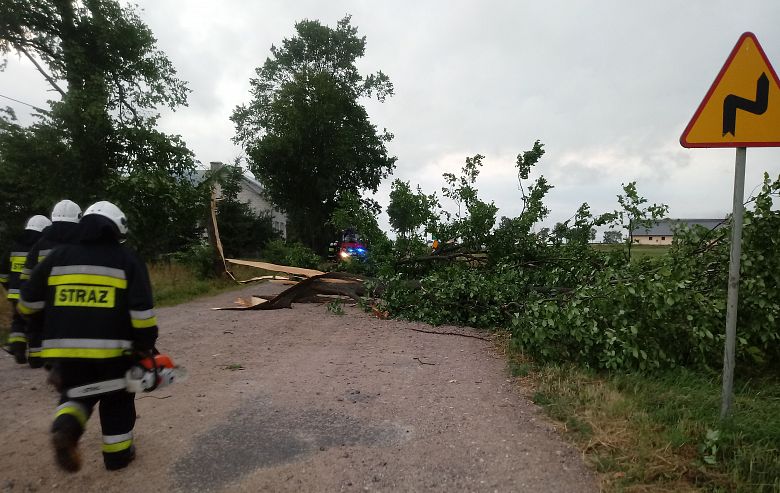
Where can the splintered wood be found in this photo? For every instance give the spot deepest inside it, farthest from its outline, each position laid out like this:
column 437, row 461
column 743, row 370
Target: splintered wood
column 297, row 271
column 312, row 286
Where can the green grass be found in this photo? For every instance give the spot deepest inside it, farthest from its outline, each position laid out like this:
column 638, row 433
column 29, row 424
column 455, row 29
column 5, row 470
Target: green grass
column 637, row 251
column 650, row 433
column 5, row 317
column 643, row 251
column 174, row 283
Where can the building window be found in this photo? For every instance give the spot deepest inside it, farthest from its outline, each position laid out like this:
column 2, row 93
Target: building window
column 650, row 238
column 663, row 237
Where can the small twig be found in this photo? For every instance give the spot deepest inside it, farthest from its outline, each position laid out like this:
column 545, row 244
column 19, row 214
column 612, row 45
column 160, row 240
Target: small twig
column 452, row 334
column 423, row 362
column 153, row 397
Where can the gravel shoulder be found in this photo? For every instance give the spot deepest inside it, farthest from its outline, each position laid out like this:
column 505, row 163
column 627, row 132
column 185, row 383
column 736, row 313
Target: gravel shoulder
column 305, row 400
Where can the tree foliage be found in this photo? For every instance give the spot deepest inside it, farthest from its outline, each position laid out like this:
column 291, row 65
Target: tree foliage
column 475, row 218
column 307, row 136
column 613, row 237
column 243, row 232
column 353, row 211
column 633, row 214
column 564, row 300
column 99, row 139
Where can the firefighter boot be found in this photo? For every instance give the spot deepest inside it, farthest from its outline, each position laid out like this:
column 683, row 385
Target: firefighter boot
column 119, row 460
column 19, row 350
column 34, row 361
column 65, row 438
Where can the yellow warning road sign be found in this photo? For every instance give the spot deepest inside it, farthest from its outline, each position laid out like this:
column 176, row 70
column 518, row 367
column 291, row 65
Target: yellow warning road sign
column 742, row 108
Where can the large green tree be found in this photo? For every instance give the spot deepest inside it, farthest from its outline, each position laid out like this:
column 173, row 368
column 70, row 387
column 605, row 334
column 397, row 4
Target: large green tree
column 98, row 139
column 307, row 136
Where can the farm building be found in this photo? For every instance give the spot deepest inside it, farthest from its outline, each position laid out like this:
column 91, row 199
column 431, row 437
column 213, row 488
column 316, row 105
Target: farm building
column 662, row 232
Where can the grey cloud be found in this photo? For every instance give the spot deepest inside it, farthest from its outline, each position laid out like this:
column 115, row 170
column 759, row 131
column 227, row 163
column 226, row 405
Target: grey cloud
column 600, row 83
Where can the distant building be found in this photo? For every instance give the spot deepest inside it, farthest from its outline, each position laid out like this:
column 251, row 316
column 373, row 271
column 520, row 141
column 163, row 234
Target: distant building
column 662, row 232
column 252, row 193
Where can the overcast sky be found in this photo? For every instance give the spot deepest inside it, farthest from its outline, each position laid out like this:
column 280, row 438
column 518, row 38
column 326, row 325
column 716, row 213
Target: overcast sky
column 607, row 86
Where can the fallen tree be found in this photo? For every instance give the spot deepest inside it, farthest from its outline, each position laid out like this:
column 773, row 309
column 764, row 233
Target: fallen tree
column 308, row 290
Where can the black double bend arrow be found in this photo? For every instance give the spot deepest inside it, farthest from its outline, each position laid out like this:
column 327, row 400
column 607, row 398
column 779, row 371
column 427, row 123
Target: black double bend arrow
column 732, row 103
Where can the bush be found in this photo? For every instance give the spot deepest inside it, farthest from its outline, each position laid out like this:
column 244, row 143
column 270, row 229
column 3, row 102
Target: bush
column 198, row 257
column 669, row 311
column 294, row 254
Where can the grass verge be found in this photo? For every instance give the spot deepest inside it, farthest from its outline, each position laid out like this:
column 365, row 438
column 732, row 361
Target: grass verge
column 662, row 432
column 5, row 317
column 174, row 283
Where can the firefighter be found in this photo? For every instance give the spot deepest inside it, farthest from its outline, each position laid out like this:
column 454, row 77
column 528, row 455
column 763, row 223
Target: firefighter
column 64, row 229
column 96, row 303
column 13, row 264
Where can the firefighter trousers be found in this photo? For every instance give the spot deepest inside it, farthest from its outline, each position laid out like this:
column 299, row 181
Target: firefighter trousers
column 17, row 339
column 116, row 409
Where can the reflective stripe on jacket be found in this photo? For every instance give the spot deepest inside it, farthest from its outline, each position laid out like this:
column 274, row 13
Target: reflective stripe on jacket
column 96, row 302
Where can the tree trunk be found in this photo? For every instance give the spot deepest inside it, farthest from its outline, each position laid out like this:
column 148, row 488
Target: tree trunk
column 86, row 119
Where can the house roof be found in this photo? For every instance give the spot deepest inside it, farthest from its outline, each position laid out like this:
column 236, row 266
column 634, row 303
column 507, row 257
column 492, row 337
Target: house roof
column 197, row 176
column 253, row 185
column 666, row 227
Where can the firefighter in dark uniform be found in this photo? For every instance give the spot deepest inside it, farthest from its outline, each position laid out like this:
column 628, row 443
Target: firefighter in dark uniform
column 65, row 219
column 10, row 277
column 96, row 303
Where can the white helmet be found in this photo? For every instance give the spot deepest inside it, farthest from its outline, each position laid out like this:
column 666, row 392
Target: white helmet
column 112, row 212
column 38, row 223
column 66, row 211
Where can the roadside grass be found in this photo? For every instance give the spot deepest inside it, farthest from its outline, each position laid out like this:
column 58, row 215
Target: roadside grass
column 174, row 283
column 662, row 432
column 5, row 317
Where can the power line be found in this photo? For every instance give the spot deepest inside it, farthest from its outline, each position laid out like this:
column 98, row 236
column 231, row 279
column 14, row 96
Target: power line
column 26, row 104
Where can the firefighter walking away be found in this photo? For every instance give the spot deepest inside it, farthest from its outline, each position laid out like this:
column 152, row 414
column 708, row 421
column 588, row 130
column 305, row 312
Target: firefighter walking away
column 65, row 217
column 11, row 279
column 95, row 301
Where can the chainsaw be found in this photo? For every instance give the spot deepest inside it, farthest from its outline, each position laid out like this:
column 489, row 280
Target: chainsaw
column 147, row 375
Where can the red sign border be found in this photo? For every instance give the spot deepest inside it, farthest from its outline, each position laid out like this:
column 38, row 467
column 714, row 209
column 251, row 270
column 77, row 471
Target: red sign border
column 683, row 138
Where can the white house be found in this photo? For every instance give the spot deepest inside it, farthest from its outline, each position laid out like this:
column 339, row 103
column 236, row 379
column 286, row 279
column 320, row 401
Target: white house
column 252, row 193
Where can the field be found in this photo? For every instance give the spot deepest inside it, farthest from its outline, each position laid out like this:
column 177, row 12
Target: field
column 637, row 251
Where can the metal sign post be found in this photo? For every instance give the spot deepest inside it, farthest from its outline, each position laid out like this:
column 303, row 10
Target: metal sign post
column 733, row 292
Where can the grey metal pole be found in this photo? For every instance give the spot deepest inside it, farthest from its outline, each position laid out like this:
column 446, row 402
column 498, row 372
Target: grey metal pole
column 733, row 292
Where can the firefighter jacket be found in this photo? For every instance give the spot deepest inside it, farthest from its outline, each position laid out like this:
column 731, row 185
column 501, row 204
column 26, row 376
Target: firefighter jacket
column 13, row 263
column 58, row 233
column 96, row 301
